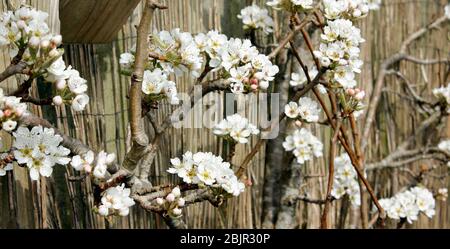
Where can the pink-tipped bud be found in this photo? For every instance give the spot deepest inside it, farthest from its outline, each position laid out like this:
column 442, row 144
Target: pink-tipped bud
column 170, row 197
column 7, row 113
column 61, row 84
column 298, row 123
column 254, row 81
column 57, row 100
column 248, row 183
column 159, row 201
column 254, row 87
column 357, row 90
column 56, row 40
column 360, row 95
column 87, row 168
column 350, row 92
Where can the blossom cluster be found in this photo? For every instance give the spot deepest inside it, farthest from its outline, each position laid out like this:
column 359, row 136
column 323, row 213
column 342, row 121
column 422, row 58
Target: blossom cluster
column 235, row 128
column 26, row 29
column 299, row 79
column 116, row 201
column 70, row 86
column 254, row 17
column 204, row 168
column 291, row 5
column 409, row 204
column 40, row 150
column 10, row 111
column 85, row 163
column 442, row 194
column 236, row 60
column 307, row 110
column 349, row 9
column 156, row 83
column 340, row 52
column 345, row 180
column 443, row 93
column 172, row 203
column 240, row 62
column 304, row 145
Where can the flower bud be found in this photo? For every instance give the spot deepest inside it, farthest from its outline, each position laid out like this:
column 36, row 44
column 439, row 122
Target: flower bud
column 34, row 42
column 264, row 84
column 87, row 167
column 324, row 61
column 181, row 202
column 45, row 44
column 360, row 95
column 254, row 87
column 21, row 24
column 61, row 84
column 7, row 113
column 298, row 123
column 357, row 13
column 159, row 201
column 176, row 191
column 176, row 211
column 1, row 114
column 170, row 197
column 350, row 91
column 254, row 81
column 110, row 158
column 56, row 40
column 57, row 100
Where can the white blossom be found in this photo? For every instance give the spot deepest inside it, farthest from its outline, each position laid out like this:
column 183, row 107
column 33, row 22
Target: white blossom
column 207, row 169
column 345, row 180
column 304, row 145
column 254, row 17
column 443, row 93
column 80, row 102
column 409, row 204
column 116, row 201
column 126, row 60
column 235, row 127
column 307, row 109
column 39, row 149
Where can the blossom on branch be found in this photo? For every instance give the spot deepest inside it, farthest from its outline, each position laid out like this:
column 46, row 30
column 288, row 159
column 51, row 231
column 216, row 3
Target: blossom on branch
column 409, row 204
column 236, row 128
column 206, row 169
column 304, row 145
column 255, row 17
column 116, row 201
column 345, row 180
column 10, row 111
column 40, row 150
